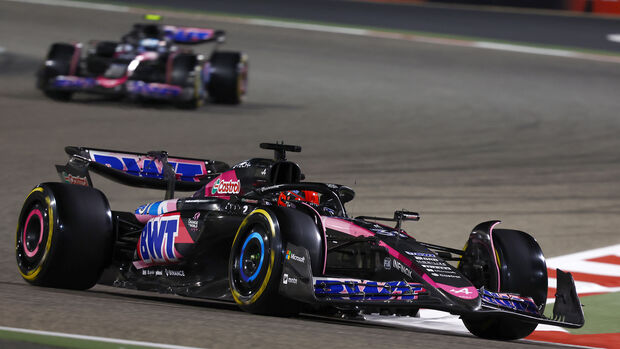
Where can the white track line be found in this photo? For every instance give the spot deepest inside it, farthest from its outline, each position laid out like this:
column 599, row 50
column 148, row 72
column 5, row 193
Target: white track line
column 525, row 49
column 613, row 37
column 578, row 262
column 92, row 338
column 77, row 4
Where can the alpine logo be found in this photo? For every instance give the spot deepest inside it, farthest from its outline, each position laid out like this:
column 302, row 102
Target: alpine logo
column 226, row 187
column 461, row 290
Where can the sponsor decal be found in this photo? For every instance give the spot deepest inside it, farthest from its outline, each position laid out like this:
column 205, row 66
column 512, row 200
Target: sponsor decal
column 288, row 280
column 157, row 208
column 291, row 255
column 151, row 272
column 367, row 290
column 170, row 272
column 73, row 82
column 153, row 89
column 193, row 222
column 384, row 232
column 75, row 179
column 509, row 301
column 156, row 243
column 185, row 34
column 420, row 254
column 226, row 187
column 244, row 164
column 401, row 267
column 387, row 264
column 142, row 166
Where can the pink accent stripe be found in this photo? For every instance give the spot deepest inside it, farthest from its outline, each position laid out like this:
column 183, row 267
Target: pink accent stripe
column 140, row 265
column 143, row 218
column 495, row 256
column 75, row 59
column 345, row 227
column 109, row 83
column 36, row 212
column 169, row 68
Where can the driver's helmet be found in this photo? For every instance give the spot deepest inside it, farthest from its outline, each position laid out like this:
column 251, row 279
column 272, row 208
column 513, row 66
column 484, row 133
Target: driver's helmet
column 298, row 195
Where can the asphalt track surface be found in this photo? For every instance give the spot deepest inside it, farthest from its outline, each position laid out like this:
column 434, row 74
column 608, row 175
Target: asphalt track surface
column 555, row 28
column 461, row 135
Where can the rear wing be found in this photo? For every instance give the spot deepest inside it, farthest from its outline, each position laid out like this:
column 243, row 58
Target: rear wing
column 189, row 35
column 155, row 169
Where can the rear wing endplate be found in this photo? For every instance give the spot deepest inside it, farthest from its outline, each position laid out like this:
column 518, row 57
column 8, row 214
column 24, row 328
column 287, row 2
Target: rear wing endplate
column 155, row 169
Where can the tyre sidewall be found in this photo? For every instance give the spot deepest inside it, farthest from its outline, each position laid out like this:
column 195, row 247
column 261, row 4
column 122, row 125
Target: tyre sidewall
column 81, row 240
column 262, row 300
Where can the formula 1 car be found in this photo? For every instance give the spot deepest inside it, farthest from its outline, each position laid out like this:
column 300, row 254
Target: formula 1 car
column 147, row 64
column 258, row 235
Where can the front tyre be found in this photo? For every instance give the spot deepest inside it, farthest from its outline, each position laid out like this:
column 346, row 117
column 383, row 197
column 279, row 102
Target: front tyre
column 522, row 270
column 255, row 266
column 64, row 236
column 59, row 61
column 228, row 77
column 186, row 72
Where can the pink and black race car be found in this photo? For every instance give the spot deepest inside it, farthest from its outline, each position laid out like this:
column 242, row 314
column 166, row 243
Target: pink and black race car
column 258, row 235
column 152, row 62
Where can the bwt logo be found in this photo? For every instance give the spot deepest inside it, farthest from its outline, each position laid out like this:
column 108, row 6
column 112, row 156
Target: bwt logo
column 190, row 34
column 73, row 82
column 157, row 240
column 149, row 168
column 153, row 89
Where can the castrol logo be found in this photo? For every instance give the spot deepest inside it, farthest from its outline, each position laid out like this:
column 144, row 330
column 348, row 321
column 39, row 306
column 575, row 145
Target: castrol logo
column 226, row 187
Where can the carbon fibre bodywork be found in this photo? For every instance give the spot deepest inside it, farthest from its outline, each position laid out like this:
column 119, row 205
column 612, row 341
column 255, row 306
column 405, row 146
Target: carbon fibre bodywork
column 328, row 260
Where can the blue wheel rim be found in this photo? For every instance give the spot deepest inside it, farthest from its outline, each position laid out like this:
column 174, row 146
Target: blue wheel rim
column 259, row 238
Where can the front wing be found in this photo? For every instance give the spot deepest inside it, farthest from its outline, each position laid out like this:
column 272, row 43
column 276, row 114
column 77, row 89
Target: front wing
column 298, row 283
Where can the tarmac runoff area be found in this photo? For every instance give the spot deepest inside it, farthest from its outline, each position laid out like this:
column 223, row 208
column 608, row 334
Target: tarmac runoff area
column 460, row 134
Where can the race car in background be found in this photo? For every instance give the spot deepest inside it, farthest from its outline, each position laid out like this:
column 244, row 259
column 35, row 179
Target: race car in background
column 148, row 63
column 258, row 235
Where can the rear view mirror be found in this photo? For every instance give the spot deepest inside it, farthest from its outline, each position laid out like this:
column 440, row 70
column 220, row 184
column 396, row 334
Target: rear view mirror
column 404, row 215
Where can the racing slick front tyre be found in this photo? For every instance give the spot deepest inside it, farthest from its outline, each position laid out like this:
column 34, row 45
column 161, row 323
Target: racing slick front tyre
column 58, row 62
column 255, row 266
column 228, row 78
column 522, row 270
column 64, row 236
column 186, row 72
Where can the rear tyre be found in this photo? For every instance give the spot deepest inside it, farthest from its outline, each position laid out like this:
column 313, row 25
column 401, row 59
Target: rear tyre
column 228, row 78
column 255, row 266
column 58, row 62
column 522, row 271
column 64, row 236
column 187, row 74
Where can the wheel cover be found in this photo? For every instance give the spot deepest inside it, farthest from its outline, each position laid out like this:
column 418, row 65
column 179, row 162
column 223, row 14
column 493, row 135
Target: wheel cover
column 34, row 234
column 248, row 273
column 253, row 250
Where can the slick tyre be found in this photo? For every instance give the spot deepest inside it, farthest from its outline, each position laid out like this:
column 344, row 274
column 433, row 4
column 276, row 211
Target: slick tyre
column 255, row 266
column 228, row 77
column 186, row 72
column 64, row 236
column 522, row 270
column 58, row 62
